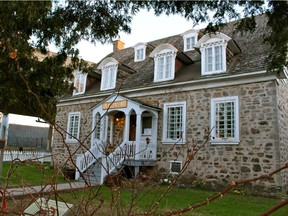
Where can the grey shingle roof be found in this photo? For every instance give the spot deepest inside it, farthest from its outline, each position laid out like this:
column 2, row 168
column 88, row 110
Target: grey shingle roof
column 252, row 58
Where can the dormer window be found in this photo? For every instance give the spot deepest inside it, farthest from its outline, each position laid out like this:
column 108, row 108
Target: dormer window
column 109, row 68
column 108, row 80
column 214, row 49
column 140, row 52
column 79, row 82
column 213, row 58
column 164, row 62
column 190, row 39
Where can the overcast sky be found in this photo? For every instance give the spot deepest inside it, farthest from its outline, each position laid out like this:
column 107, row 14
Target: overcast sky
column 145, row 27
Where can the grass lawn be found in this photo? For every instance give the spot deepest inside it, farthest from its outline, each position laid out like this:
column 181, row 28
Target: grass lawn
column 18, row 174
column 121, row 199
column 131, row 198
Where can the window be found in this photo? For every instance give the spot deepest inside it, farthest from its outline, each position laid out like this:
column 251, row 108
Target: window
column 174, row 120
column 140, row 52
column 79, row 83
column 97, row 126
column 224, row 120
column 190, row 42
column 175, row 167
column 164, row 65
column 213, row 57
column 164, row 62
column 109, row 74
column 73, row 126
column 190, row 39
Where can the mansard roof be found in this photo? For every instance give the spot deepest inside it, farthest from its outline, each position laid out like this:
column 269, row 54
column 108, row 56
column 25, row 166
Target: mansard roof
column 249, row 55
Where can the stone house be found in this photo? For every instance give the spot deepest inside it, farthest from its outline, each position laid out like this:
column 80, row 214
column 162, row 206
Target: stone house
column 156, row 103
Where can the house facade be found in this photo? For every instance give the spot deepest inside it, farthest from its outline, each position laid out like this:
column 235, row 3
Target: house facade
column 157, row 103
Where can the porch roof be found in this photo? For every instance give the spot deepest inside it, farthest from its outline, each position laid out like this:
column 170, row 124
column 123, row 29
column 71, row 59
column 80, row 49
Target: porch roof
column 136, row 101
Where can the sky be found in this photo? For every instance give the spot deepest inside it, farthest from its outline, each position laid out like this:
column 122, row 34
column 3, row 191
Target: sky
column 145, row 27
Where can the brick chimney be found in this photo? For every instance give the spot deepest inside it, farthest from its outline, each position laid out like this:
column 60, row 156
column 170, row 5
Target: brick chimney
column 118, row 45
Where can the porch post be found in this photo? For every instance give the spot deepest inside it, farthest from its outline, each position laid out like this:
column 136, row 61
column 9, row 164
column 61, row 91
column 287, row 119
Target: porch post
column 111, row 129
column 154, row 135
column 138, row 136
column 127, row 127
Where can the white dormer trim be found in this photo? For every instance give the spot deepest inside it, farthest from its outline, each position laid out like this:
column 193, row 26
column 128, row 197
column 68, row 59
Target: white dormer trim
column 213, row 53
column 162, row 47
column 140, row 52
column 79, row 82
column 105, row 61
column 164, row 62
column 190, row 38
column 210, row 37
column 109, row 68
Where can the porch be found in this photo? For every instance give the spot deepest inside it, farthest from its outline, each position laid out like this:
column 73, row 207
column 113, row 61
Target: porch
column 124, row 132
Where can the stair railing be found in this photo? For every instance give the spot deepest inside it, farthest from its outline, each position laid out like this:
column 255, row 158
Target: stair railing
column 114, row 160
column 84, row 161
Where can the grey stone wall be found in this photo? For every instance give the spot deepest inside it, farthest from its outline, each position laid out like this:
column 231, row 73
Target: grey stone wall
column 220, row 164
column 282, row 106
column 256, row 154
column 64, row 152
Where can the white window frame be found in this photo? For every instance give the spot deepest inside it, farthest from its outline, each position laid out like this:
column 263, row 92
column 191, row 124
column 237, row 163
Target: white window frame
column 163, row 70
column 215, row 139
column 186, row 37
column 165, row 138
column 139, row 49
column 70, row 137
column 97, row 126
column 109, row 75
column 79, row 79
column 178, row 162
column 212, row 45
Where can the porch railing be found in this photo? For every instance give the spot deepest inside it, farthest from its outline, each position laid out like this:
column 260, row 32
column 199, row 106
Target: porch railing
column 110, row 163
column 84, row 161
column 116, row 158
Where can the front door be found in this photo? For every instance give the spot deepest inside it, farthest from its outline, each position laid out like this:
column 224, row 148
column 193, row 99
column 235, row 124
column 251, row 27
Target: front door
column 132, row 130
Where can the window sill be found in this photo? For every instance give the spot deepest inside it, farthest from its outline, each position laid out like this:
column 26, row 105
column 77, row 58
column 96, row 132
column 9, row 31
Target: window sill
column 163, row 80
column 187, row 50
column 213, row 72
column 71, row 141
column 78, row 93
column 223, row 142
column 172, row 142
column 106, row 89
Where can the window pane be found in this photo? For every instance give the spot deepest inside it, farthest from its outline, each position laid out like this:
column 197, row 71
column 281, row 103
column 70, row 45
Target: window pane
column 175, row 122
column 111, row 78
column 79, row 82
column 160, row 69
column 218, row 58
column 225, row 120
column 73, row 127
column 104, row 77
column 190, row 42
column 97, row 126
column 208, row 59
column 168, row 68
column 139, row 55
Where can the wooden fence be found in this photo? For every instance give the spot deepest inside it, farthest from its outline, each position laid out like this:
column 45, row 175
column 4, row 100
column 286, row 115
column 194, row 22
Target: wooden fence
column 27, row 155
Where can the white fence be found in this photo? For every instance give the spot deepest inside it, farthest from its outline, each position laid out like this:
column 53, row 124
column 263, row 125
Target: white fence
column 27, row 155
